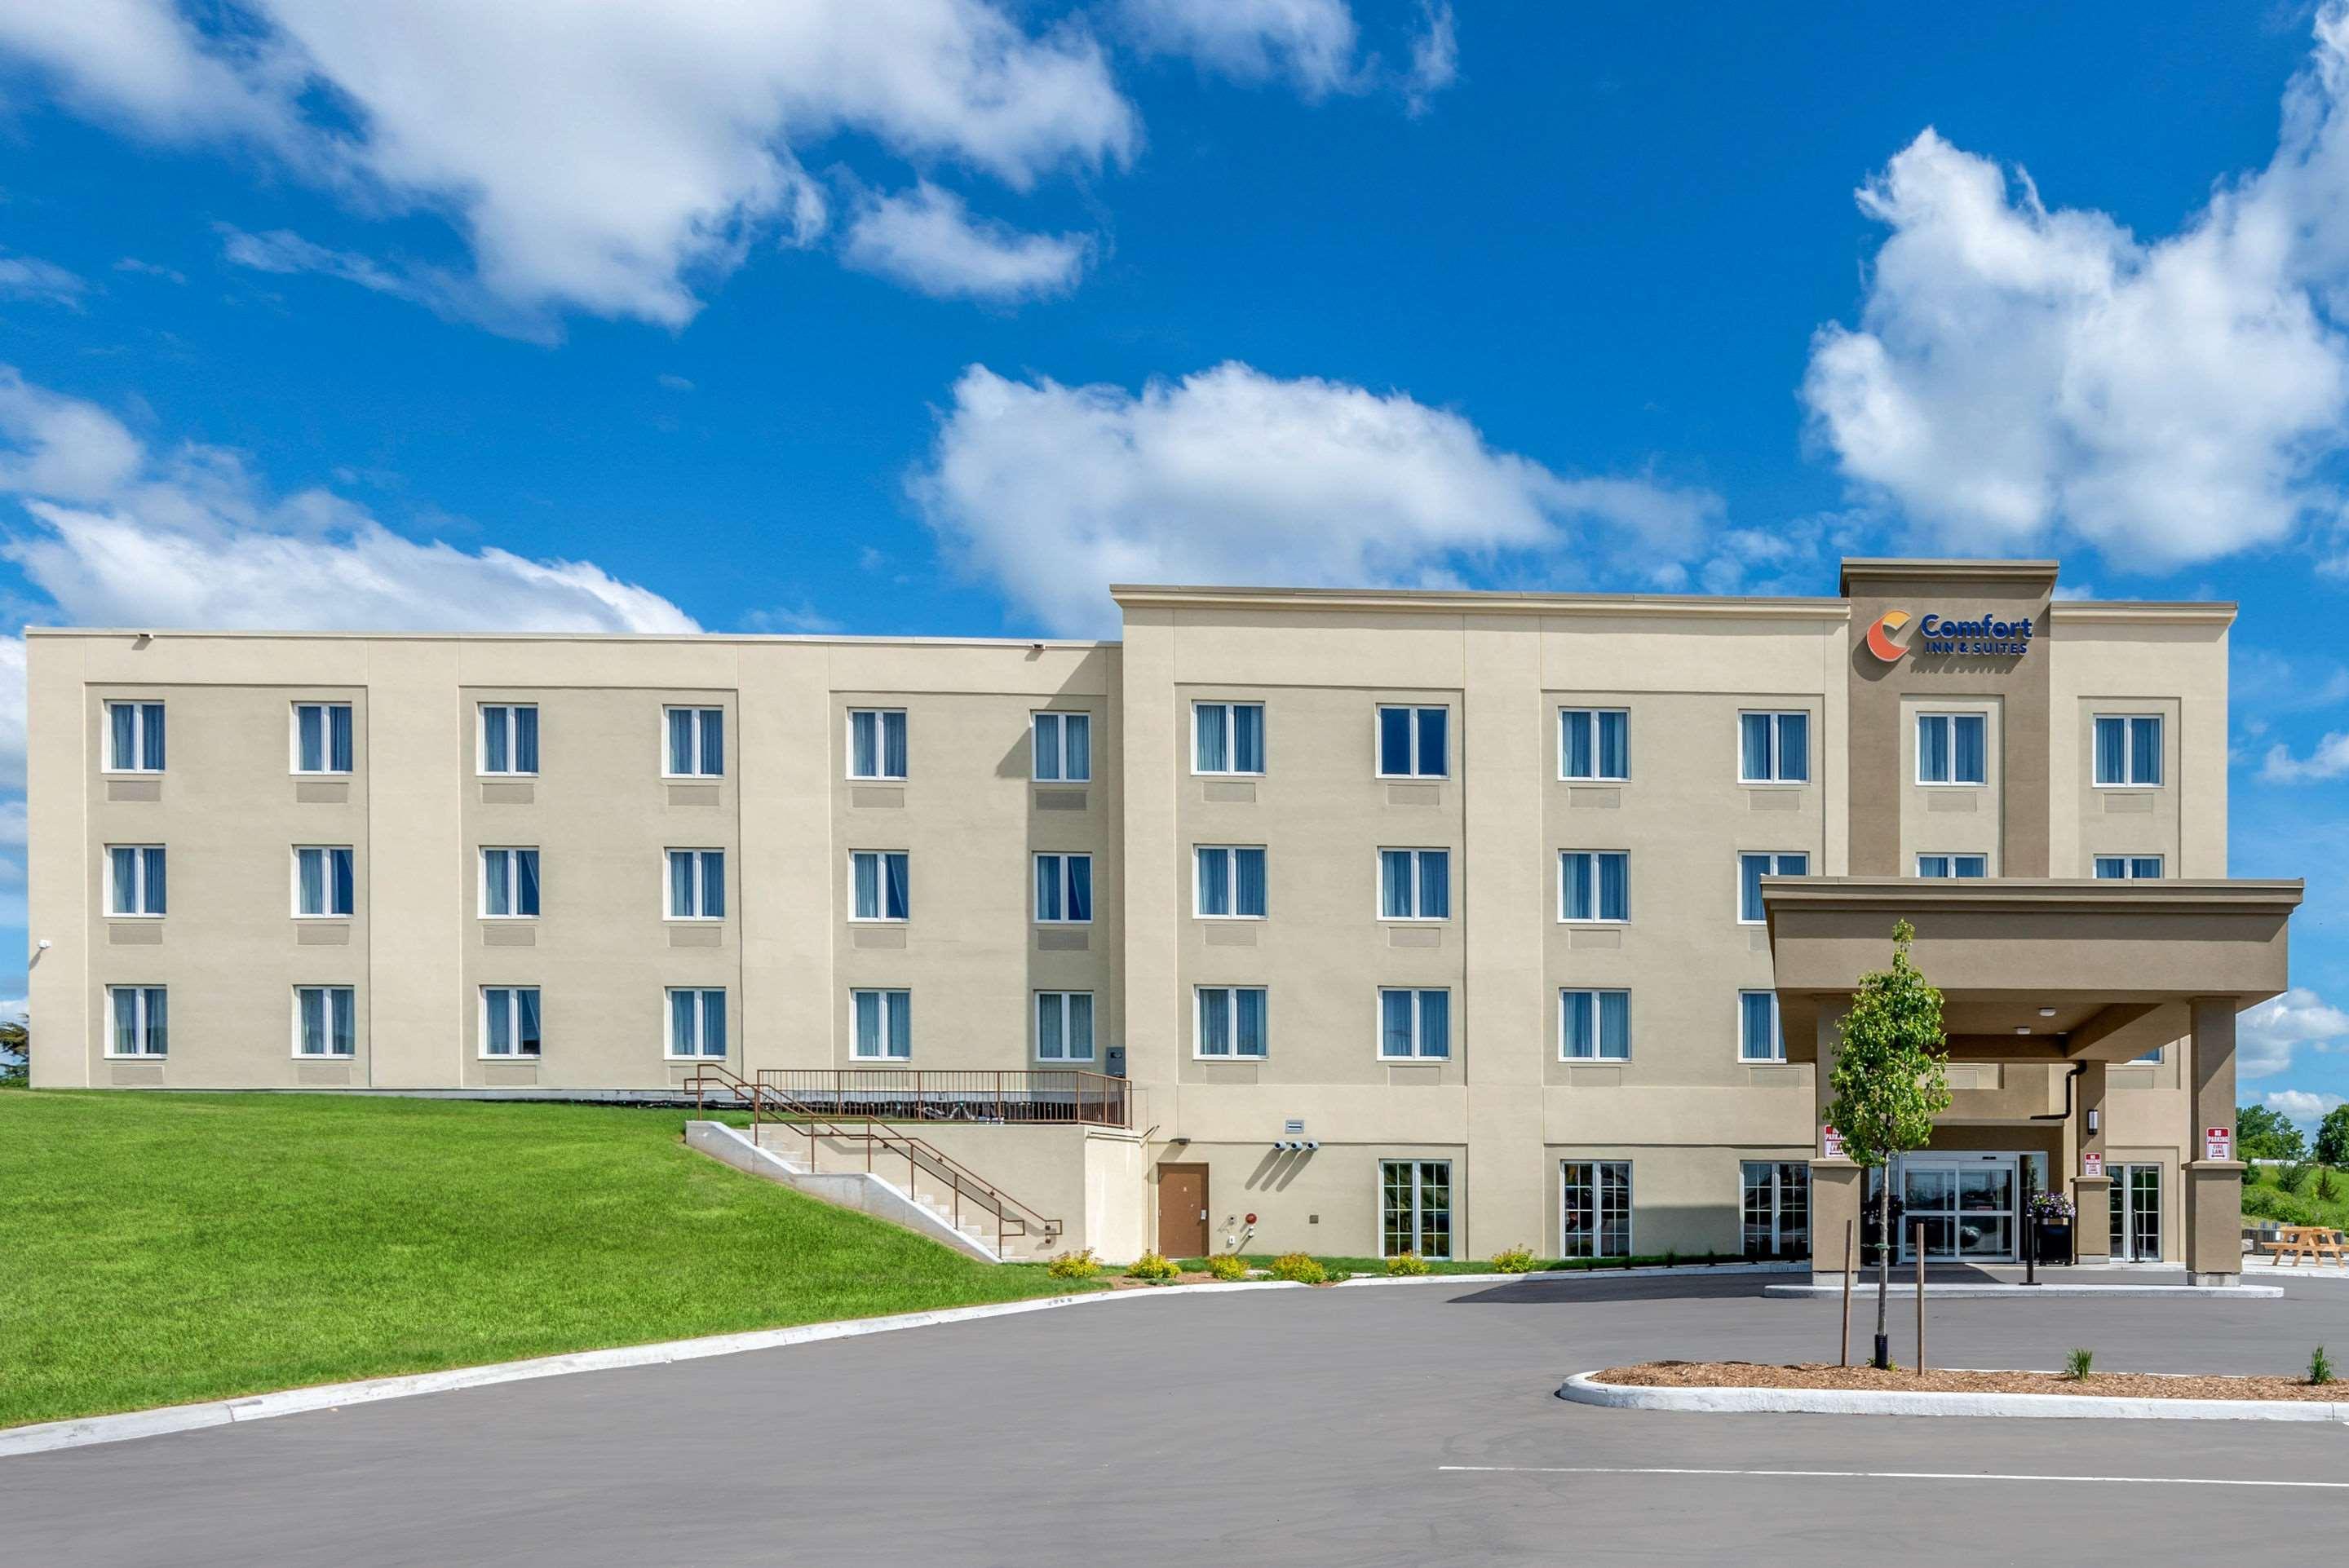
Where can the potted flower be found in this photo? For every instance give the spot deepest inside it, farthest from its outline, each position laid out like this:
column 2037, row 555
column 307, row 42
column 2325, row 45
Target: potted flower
column 2051, row 1227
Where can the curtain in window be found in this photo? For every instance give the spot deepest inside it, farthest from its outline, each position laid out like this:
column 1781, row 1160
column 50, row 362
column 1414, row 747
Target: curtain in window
column 2112, row 736
column 680, row 885
column 865, row 871
column 1932, row 865
column 314, row 1021
column 1435, row 884
column 1077, row 745
column 1214, row 881
column 868, row 1022
column 1614, row 887
column 525, row 879
column 1581, row 757
column 338, row 739
column 1047, row 745
column 1050, row 1037
column 1207, row 748
column 893, row 745
column 1615, row 1024
column 152, row 859
column 158, row 1020
column 151, row 713
column 1394, row 1023
column 497, row 1010
column 1751, row 869
column 1435, row 724
column 1614, row 745
column 683, row 1036
column 1248, row 1026
column 713, row 1023
column 310, row 734
column 1794, row 748
column 126, row 1021
column 1047, row 887
column 1754, row 745
column 713, row 883
column 863, row 744
column 1394, row 740
column 901, row 1022
column 713, row 742
column 680, row 740
column 124, row 718
column 1214, row 1023
column 1761, row 1035
column 2141, row 867
column 1933, row 748
column 1247, row 740
column 1080, row 1026
column 126, row 880
column 1576, row 870
column 900, row 905
column 1081, row 887
column 1577, row 1023
column 1247, row 871
column 525, row 739
column 1435, row 1023
column 495, row 754
column 2111, row 868
column 526, row 1032
column 1972, row 865
column 1395, row 885
column 312, row 867
column 1972, row 740
column 2144, row 751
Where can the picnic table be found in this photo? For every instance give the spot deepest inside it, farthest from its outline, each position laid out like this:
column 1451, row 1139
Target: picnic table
column 2315, row 1243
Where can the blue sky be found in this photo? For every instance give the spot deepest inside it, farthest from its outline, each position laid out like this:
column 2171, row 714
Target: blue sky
column 935, row 316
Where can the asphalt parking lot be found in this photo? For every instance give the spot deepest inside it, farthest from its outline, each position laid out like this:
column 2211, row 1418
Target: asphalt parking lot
column 1412, row 1423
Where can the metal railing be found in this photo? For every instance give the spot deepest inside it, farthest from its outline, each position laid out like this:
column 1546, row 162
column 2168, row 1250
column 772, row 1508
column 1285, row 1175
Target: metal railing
column 1064, row 1095
column 773, row 1106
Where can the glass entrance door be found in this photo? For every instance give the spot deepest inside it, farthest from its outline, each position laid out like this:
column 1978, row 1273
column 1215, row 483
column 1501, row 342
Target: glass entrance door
column 1966, row 1205
column 2136, row 1213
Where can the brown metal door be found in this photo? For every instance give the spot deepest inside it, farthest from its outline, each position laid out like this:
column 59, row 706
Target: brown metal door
column 1183, row 1210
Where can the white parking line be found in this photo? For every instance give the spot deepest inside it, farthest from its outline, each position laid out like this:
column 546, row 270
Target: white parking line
column 1886, row 1475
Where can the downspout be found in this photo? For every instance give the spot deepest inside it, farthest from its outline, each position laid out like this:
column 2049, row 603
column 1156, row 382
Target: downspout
column 2064, row 1114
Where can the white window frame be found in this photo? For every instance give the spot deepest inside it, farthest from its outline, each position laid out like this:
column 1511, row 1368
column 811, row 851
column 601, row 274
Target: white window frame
column 881, row 886
column 141, row 741
column 325, row 740
column 1953, row 857
column 1061, row 1000
column 513, row 879
column 2128, row 750
column 1419, row 1051
column 113, row 1002
column 513, row 995
column 701, row 995
column 700, row 711
column 1231, row 1024
column 1594, row 918
column 2128, row 864
column 1773, row 857
column 700, row 899
column 1377, row 746
column 1777, row 748
column 1231, row 738
column 1950, row 716
column 1777, row 1030
column 1598, row 1207
column 1418, row 1204
column 329, row 1055
column 880, row 745
column 481, row 769
column 1379, row 883
column 139, row 880
column 1599, row 1044
column 1068, row 886
column 892, row 997
column 1231, row 882
column 1061, row 715
column 294, row 864
column 1565, row 714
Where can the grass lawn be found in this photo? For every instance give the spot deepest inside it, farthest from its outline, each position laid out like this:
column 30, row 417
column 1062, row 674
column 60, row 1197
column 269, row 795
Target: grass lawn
column 1361, row 1266
column 2264, row 1197
column 163, row 1248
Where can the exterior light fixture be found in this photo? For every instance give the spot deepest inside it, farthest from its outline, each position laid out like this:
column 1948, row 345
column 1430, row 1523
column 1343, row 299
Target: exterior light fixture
column 2046, row 1012
column 2022, row 1028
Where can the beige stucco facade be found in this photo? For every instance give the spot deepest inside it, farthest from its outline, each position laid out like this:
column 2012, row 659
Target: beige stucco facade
column 1680, row 1116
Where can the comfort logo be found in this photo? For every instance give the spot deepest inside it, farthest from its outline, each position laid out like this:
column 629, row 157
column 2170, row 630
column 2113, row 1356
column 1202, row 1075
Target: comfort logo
column 1879, row 637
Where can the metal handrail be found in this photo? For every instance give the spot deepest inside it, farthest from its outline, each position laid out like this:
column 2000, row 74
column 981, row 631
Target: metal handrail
column 1065, row 1096
column 918, row 1153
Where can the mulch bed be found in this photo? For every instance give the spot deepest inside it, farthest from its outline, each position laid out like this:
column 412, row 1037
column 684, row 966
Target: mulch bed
column 2114, row 1385
column 1122, row 1283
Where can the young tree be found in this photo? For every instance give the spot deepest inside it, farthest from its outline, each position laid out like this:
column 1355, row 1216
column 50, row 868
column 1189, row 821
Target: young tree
column 2333, row 1137
column 1887, row 1085
column 16, row 1046
column 2264, row 1134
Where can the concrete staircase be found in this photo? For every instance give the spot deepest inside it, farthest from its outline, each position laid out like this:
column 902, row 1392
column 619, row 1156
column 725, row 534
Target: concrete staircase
column 866, row 1191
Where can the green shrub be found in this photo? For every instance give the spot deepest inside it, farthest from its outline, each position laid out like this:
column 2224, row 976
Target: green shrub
column 1074, row 1265
column 1515, row 1260
column 1153, row 1268
column 2267, row 1203
column 2078, row 1364
column 2327, row 1188
column 2294, row 1177
column 1406, row 1263
column 2320, row 1367
column 1227, row 1267
column 1298, row 1269
column 1338, row 1276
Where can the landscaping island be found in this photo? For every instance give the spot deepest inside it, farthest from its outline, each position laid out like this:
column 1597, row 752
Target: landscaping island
column 1869, row 1379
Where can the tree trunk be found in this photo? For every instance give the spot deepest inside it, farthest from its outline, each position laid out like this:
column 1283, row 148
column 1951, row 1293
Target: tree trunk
column 1883, row 1266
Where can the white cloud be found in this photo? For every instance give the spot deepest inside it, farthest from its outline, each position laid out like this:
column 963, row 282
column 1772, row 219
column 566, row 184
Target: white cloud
column 927, row 240
column 2266, row 1036
column 1053, row 492
column 28, row 277
column 2300, row 1105
column 446, row 295
column 2328, row 759
column 2020, row 375
column 614, row 158
column 1309, row 41
column 1434, row 58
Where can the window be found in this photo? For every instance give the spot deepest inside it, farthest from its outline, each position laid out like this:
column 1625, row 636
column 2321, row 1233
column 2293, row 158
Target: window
column 322, row 881
column 1951, row 747
column 1594, row 743
column 1594, row 885
column 878, row 885
column 134, row 737
column 1411, row 742
column 1414, row 884
column 510, row 885
column 510, row 1020
column 697, row 884
column 697, row 1023
column 1759, row 1038
column 1414, row 1023
column 1063, row 749
column 1227, row 737
column 322, row 738
column 1595, row 1218
column 1773, row 748
column 134, row 884
column 1415, row 1208
column 2127, row 868
column 1064, row 1025
column 1967, row 866
column 1777, row 1207
column 876, row 743
column 1229, row 884
column 1594, row 1026
column 1064, row 889
column 885, row 1025
column 697, row 743
column 2129, row 749
column 1752, row 869
column 323, row 1020
column 510, row 737
column 1231, row 1021
column 140, row 1024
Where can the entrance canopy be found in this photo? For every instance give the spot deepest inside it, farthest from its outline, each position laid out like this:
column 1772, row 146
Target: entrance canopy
column 2033, row 970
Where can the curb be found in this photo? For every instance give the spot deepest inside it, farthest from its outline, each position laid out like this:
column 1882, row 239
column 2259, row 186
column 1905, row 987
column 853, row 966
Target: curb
column 1682, row 1270
column 1584, row 1388
column 2038, row 1292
